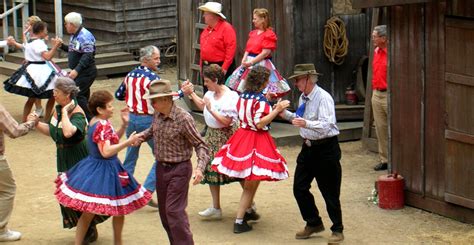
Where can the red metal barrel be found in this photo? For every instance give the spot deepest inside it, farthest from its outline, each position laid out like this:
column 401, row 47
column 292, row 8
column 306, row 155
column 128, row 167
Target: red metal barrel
column 390, row 190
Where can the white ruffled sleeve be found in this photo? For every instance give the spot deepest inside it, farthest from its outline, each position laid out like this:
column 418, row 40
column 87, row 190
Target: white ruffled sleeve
column 229, row 109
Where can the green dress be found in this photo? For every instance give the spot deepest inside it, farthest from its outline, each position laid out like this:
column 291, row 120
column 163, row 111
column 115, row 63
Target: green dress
column 70, row 151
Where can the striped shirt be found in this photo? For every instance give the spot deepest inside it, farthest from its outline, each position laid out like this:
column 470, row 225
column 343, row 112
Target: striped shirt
column 175, row 136
column 320, row 115
column 137, row 83
column 252, row 107
column 9, row 126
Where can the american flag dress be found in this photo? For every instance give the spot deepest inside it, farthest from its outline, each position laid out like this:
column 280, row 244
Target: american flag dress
column 251, row 153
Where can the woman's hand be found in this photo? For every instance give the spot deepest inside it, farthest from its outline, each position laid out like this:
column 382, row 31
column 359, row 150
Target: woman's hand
column 247, row 64
column 11, row 41
column 57, row 42
column 270, row 96
column 207, row 104
column 33, row 117
column 134, row 139
column 27, row 28
column 281, row 105
column 187, row 87
column 68, row 108
column 124, row 115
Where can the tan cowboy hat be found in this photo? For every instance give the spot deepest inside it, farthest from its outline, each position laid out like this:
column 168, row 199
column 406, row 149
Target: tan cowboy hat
column 212, row 7
column 303, row 69
column 159, row 88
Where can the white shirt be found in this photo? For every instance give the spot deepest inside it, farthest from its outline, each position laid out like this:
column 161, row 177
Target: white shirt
column 34, row 49
column 320, row 115
column 226, row 105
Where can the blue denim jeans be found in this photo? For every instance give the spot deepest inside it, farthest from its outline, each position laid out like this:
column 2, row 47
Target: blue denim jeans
column 139, row 123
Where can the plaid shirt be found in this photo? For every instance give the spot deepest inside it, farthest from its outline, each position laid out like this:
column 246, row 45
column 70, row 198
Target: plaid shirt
column 9, row 126
column 175, row 136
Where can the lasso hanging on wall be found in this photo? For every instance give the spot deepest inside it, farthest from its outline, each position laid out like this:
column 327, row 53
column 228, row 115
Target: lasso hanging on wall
column 335, row 40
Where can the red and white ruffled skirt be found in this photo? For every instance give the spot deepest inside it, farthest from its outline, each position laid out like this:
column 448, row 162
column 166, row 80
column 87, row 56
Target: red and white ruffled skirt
column 251, row 155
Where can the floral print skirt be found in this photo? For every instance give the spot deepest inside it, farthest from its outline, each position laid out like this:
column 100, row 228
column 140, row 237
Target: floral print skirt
column 216, row 138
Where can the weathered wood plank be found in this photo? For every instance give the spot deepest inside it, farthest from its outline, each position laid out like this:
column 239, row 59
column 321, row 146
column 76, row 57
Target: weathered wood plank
column 434, row 100
column 382, row 3
column 459, row 137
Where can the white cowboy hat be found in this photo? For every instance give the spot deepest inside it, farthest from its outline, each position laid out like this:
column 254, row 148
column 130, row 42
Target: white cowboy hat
column 212, row 7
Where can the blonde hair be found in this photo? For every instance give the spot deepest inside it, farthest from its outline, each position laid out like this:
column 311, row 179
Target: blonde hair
column 33, row 19
column 263, row 13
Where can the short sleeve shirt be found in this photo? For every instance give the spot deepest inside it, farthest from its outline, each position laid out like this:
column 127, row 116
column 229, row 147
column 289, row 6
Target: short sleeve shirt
column 225, row 106
column 34, row 50
column 257, row 42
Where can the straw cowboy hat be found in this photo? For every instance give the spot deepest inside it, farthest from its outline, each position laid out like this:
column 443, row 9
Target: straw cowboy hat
column 159, row 88
column 212, row 7
column 303, row 69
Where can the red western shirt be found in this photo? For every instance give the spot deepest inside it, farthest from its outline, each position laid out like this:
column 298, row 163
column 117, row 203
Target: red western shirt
column 379, row 69
column 218, row 44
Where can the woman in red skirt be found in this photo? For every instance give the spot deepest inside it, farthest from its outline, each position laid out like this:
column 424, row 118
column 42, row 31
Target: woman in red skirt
column 250, row 153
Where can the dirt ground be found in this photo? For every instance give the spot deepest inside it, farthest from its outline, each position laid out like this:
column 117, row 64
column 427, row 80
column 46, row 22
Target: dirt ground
column 36, row 213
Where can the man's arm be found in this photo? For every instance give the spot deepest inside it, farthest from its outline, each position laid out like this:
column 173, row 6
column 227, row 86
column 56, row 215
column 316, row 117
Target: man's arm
column 11, row 127
column 201, row 148
column 230, row 42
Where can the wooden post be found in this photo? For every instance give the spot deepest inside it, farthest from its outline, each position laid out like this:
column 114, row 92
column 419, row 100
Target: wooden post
column 5, row 20
column 15, row 22
column 24, row 15
column 58, row 18
column 368, row 140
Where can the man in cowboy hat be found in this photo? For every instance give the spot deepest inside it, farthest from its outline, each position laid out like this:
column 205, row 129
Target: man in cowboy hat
column 174, row 136
column 320, row 153
column 218, row 41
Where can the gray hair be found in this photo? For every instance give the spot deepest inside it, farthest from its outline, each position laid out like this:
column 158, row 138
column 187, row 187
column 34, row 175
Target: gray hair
column 313, row 78
column 381, row 30
column 147, row 52
column 67, row 86
column 74, row 19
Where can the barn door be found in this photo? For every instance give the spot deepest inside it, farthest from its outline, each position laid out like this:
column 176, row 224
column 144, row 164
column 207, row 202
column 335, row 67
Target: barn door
column 459, row 133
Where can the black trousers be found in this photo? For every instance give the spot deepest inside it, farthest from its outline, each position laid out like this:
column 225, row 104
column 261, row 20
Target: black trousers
column 84, row 81
column 320, row 162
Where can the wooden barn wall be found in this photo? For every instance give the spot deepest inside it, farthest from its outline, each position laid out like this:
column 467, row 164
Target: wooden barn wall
column 405, row 81
column 434, row 155
column 462, row 8
column 147, row 22
column 418, row 103
column 308, row 40
column 299, row 26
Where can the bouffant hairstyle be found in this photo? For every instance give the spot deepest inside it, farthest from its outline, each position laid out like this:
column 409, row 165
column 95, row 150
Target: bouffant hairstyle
column 263, row 13
column 214, row 72
column 256, row 78
column 100, row 99
column 67, row 86
column 39, row 27
column 33, row 19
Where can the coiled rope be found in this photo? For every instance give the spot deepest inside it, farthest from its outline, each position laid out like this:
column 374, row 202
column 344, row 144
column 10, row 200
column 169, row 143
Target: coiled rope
column 335, row 40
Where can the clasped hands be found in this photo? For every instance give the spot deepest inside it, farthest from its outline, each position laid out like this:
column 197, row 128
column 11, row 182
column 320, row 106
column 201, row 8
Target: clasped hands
column 187, row 87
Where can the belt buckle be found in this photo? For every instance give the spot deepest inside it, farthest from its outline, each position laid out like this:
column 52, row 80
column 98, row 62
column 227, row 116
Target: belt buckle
column 307, row 142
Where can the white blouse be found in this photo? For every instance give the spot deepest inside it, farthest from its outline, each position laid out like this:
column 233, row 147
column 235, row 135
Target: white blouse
column 226, row 105
column 34, row 49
